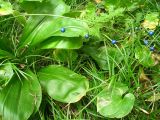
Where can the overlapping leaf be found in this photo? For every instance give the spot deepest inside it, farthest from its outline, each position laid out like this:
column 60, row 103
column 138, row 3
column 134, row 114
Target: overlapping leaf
column 63, row 84
column 61, row 42
column 105, row 57
column 112, row 104
column 20, row 98
column 6, row 73
column 5, row 8
column 48, row 23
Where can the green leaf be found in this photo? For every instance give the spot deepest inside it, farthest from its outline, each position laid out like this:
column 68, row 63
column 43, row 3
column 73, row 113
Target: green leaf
column 64, row 55
column 144, row 56
column 130, row 5
column 112, row 104
column 20, row 98
column 151, row 21
column 19, row 17
column 5, row 54
column 61, row 42
column 54, row 7
column 5, row 8
column 152, row 17
column 35, row 32
column 43, row 27
column 105, row 57
column 6, row 73
column 30, row 0
column 63, row 84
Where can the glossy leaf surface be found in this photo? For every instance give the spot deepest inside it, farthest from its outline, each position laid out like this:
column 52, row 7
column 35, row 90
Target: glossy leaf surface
column 6, row 73
column 63, row 84
column 5, row 8
column 20, row 98
column 114, row 103
column 48, row 24
column 61, row 42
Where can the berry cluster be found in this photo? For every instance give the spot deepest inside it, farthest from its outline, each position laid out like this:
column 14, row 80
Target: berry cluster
column 146, row 42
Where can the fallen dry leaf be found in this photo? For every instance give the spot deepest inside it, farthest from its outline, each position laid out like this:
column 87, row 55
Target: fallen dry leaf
column 154, row 98
column 150, row 25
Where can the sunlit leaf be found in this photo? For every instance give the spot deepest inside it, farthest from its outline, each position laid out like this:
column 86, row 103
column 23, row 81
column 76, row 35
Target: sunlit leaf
column 98, row 1
column 151, row 21
column 61, row 42
column 47, row 28
column 20, row 98
column 114, row 103
column 63, row 84
column 6, row 73
column 5, row 8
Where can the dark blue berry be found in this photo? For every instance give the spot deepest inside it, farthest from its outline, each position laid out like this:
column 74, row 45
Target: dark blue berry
column 63, row 30
column 152, row 48
column 113, row 41
column 86, row 36
column 146, row 42
column 151, row 33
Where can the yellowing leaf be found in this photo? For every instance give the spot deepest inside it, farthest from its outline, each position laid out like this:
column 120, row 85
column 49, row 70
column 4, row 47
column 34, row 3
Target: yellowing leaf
column 151, row 21
column 98, row 1
column 154, row 98
column 5, row 8
column 150, row 25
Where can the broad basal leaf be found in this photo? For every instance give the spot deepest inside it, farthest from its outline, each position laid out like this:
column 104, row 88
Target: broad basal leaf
column 63, row 84
column 53, row 7
column 40, row 28
column 61, row 42
column 105, row 57
column 5, row 8
column 112, row 104
column 20, row 98
column 6, row 73
column 49, row 27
